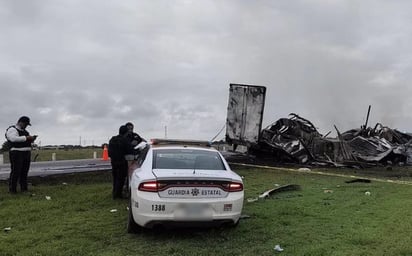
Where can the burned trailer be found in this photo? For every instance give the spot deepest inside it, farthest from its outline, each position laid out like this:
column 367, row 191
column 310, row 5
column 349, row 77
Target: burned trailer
column 380, row 145
column 409, row 154
column 287, row 140
column 244, row 114
column 296, row 140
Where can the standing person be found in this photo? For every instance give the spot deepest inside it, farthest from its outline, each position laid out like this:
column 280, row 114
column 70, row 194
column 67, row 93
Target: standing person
column 119, row 148
column 133, row 137
column 134, row 140
column 20, row 153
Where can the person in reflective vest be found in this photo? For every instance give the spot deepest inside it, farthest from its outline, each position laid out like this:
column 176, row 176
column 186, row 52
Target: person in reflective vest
column 19, row 153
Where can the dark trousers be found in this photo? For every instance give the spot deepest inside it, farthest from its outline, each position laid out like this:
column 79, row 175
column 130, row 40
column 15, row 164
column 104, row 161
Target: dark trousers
column 119, row 172
column 20, row 165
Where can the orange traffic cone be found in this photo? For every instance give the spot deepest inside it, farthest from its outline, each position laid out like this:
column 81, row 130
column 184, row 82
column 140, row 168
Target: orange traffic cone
column 105, row 153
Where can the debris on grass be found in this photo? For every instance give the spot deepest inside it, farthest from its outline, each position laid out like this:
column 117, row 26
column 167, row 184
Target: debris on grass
column 48, row 197
column 7, row 229
column 278, row 189
column 367, row 193
column 289, row 187
column 278, row 248
column 358, row 180
column 64, row 183
column 244, row 216
column 251, row 200
column 113, row 210
column 328, row 191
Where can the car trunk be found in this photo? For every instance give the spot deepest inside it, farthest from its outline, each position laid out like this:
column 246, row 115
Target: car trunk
column 190, row 183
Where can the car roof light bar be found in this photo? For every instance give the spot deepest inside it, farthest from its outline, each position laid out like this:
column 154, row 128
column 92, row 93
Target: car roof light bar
column 180, row 142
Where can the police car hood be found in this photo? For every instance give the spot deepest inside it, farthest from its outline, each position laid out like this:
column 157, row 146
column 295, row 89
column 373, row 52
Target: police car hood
column 194, row 174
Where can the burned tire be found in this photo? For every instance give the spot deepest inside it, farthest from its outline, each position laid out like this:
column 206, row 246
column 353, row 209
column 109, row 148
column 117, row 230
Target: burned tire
column 132, row 226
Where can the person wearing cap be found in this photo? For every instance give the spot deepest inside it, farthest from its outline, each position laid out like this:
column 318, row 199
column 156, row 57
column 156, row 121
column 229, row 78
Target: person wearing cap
column 119, row 150
column 133, row 137
column 19, row 153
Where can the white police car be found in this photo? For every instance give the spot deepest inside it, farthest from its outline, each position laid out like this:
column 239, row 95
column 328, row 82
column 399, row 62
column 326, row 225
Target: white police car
column 185, row 183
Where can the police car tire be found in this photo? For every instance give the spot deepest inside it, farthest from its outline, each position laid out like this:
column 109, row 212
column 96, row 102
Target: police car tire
column 132, row 226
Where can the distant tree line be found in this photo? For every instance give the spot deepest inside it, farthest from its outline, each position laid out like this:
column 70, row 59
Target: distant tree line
column 6, row 146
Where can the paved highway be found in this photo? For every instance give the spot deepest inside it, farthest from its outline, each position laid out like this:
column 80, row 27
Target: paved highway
column 58, row 167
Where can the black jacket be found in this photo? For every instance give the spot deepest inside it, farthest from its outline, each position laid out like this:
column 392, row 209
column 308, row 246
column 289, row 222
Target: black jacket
column 119, row 147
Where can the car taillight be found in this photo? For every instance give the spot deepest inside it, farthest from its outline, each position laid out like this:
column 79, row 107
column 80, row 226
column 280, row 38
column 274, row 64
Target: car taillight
column 235, row 187
column 151, row 186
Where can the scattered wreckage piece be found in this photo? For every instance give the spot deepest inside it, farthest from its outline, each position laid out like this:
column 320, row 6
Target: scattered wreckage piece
column 244, row 216
column 251, row 200
column 358, row 180
column 266, row 194
column 289, row 187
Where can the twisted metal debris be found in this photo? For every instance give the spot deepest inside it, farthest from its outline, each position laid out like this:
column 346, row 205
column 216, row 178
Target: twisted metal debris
column 295, row 139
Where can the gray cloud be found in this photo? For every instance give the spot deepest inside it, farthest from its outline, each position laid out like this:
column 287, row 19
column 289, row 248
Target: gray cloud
column 81, row 69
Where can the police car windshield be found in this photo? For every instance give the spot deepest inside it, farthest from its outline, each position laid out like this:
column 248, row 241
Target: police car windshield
column 187, row 159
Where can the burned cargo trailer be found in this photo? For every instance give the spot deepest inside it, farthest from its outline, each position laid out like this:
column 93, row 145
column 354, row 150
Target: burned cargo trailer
column 295, row 139
column 287, row 140
column 379, row 144
column 244, row 114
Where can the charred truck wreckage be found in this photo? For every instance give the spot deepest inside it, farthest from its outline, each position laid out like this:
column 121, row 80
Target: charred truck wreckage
column 296, row 139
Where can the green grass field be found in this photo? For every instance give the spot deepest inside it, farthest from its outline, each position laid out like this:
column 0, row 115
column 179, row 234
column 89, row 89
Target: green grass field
column 61, row 154
column 326, row 217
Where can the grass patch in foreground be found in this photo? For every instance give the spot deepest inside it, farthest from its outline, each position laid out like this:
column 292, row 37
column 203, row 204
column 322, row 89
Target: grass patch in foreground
column 77, row 220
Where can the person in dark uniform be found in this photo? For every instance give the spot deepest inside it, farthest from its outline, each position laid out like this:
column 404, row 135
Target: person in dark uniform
column 20, row 153
column 134, row 140
column 119, row 149
column 133, row 137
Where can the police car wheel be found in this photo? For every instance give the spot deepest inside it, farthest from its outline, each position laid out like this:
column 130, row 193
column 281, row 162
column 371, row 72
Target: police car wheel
column 132, row 226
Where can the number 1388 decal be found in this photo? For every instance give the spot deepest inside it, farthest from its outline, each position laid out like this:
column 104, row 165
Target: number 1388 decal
column 158, row 207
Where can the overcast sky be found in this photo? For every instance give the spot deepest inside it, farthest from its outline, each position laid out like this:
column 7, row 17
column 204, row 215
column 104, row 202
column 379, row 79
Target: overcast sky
column 80, row 69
